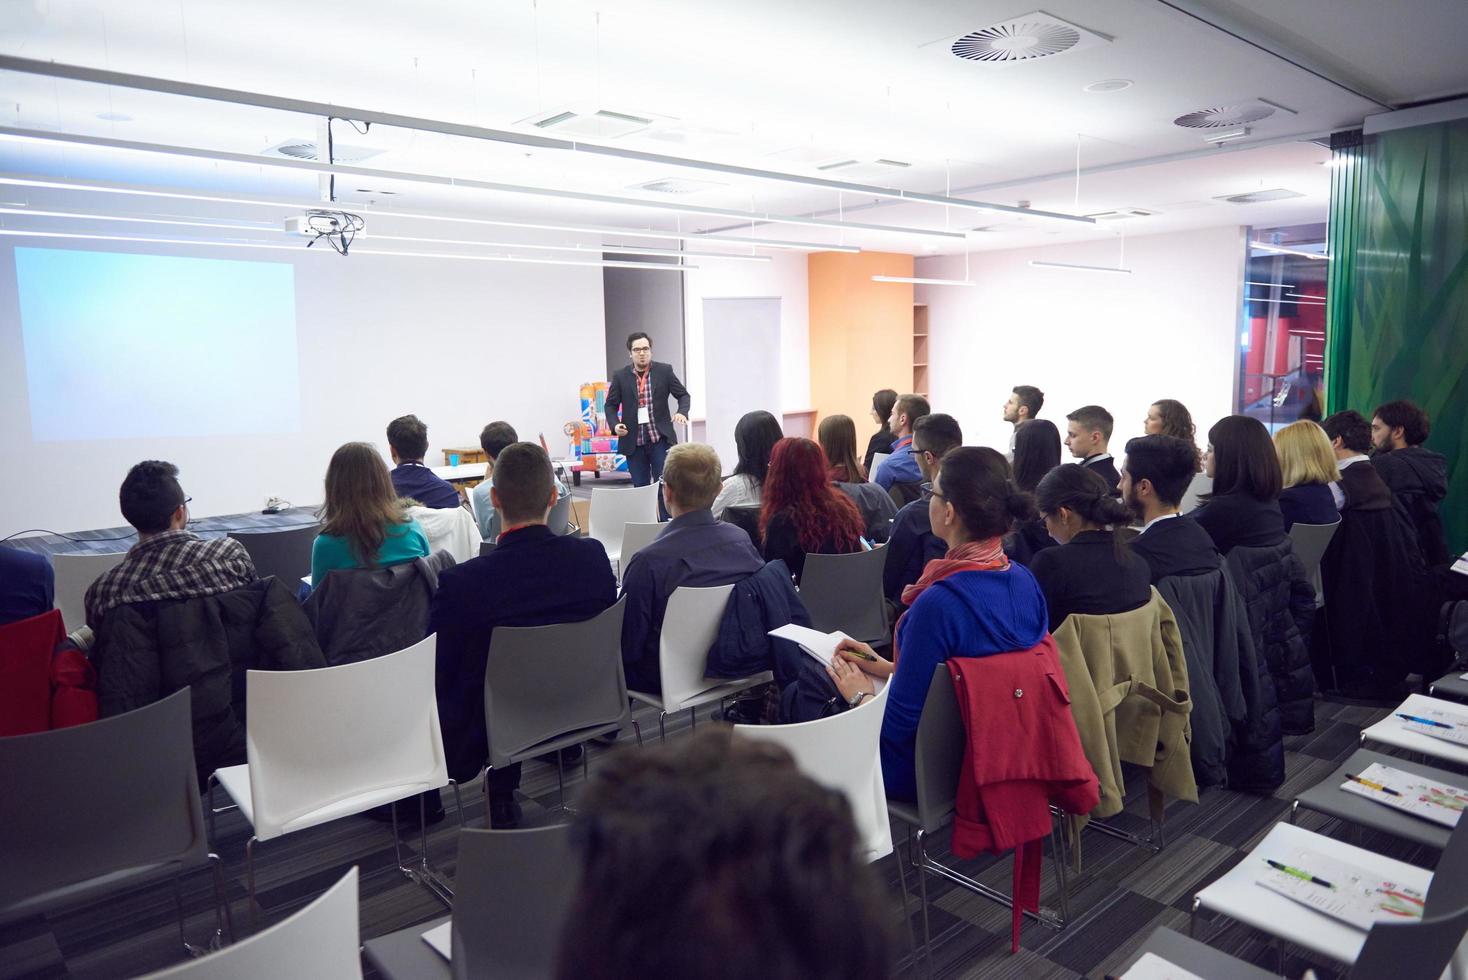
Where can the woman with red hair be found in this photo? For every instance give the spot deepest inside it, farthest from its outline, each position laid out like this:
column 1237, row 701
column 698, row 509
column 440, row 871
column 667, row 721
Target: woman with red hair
column 802, row 511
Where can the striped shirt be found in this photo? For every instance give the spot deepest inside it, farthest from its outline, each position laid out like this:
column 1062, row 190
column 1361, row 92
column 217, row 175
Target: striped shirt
column 171, row 565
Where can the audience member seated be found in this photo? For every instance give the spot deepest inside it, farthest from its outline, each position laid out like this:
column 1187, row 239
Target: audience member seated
column 912, row 543
column 169, row 561
column 716, row 857
column 1170, row 417
column 1087, row 434
column 837, row 436
column 1188, row 573
column 1036, row 452
column 1417, row 477
column 1023, row 406
column 881, row 440
column 694, row 549
column 534, row 577
column 973, row 602
column 1373, row 578
column 802, row 513
column 407, row 440
column 27, row 585
column 900, row 469
column 1094, row 572
column 364, row 523
column 754, row 438
column 1307, row 465
column 493, row 439
column 1244, row 506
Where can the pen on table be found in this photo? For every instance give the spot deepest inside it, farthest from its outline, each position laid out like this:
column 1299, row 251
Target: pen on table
column 1370, row 785
column 1425, row 721
column 1297, row 873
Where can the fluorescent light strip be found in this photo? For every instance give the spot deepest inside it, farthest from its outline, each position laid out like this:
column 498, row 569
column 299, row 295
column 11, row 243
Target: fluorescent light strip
column 103, row 188
column 338, row 169
column 1271, row 285
column 356, row 251
column 1291, row 302
column 1082, row 268
column 236, row 97
column 1308, row 296
column 599, row 249
column 1289, row 251
column 925, row 282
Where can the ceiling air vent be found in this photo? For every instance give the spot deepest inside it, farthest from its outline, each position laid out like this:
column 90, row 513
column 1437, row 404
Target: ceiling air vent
column 1224, row 116
column 602, row 124
column 1259, row 197
column 676, row 185
column 1119, row 214
column 308, row 150
column 1027, row 38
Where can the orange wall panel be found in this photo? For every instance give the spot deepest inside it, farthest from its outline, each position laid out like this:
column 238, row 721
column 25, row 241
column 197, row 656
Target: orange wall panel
column 860, row 332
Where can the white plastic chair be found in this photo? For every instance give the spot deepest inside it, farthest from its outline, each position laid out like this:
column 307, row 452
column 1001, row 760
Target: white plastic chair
column 1200, row 487
column 74, row 575
column 335, row 741
column 1391, row 731
column 841, row 752
column 636, row 537
column 613, row 508
column 319, row 941
column 1310, row 542
column 876, row 462
column 690, row 625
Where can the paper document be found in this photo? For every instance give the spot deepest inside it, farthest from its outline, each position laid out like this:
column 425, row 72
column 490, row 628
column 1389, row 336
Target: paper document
column 1448, row 726
column 441, row 939
column 1340, row 890
column 820, row 645
column 1461, row 565
column 1430, row 799
column 1153, row 967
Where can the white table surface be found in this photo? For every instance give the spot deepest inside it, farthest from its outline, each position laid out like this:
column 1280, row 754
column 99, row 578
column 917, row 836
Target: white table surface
column 1239, row 895
column 464, row 471
column 1391, row 731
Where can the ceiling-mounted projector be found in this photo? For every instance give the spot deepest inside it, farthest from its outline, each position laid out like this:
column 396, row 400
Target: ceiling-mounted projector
column 316, row 223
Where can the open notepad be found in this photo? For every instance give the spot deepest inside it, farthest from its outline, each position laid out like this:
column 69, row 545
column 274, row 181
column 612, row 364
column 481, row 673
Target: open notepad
column 820, row 645
column 1340, row 890
column 1430, row 799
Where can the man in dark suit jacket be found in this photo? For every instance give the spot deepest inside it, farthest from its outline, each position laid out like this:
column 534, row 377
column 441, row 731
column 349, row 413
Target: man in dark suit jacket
column 1087, row 434
column 637, row 410
column 533, row 577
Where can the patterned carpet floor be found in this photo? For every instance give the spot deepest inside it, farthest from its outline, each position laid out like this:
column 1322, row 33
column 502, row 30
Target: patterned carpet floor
column 1123, row 892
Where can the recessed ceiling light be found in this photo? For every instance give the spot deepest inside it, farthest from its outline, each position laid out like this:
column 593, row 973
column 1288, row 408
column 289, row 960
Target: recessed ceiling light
column 1108, row 85
column 114, row 117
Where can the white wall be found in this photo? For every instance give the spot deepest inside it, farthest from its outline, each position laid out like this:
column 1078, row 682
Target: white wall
column 456, row 343
column 784, row 278
column 1168, row 330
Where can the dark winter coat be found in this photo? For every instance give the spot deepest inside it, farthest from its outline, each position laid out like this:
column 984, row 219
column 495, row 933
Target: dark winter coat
column 1280, row 600
column 361, row 613
column 1418, row 479
column 1256, row 757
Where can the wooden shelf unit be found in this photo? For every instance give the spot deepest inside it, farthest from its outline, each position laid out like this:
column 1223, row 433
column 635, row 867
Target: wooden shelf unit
column 920, row 349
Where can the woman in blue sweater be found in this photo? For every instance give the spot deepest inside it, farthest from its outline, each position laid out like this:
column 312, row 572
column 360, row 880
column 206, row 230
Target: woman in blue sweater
column 972, row 602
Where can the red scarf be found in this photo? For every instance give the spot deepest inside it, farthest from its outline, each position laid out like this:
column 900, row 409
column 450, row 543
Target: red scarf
column 971, row 556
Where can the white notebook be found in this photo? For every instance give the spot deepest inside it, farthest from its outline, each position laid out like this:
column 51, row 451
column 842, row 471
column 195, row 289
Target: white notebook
column 821, row 646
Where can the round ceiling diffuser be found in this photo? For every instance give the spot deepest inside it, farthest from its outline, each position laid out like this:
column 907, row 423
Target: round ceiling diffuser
column 1019, row 40
column 1223, row 116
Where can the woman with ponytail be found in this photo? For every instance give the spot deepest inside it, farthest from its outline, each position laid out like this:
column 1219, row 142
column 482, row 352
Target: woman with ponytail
column 1094, row 573
column 972, row 602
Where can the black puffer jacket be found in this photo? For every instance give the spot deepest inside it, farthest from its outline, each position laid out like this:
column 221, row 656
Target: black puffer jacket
column 1256, row 751
column 1281, row 604
column 148, row 650
column 362, row 613
column 1418, row 480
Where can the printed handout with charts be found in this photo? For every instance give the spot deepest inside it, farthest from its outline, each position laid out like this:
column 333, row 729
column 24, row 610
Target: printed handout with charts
column 1447, row 726
column 1340, row 890
column 1430, row 799
column 820, row 645
column 1153, row 967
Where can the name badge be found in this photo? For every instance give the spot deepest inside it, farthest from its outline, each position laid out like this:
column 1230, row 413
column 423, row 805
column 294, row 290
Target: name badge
column 642, row 413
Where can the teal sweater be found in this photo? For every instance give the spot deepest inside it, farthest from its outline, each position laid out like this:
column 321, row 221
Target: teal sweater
column 404, row 542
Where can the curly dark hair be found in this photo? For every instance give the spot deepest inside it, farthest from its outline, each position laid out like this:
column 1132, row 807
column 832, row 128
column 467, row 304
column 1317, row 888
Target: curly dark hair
column 1413, row 420
column 798, row 485
column 715, row 858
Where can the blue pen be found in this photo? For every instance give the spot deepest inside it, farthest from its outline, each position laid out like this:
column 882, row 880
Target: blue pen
column 1425, row 721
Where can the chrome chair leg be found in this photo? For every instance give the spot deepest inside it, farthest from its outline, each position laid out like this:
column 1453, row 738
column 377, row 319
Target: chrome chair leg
column 1057, row 851
column 663, row 725
column 223, row 917
column 250, row 883
column 637, row 730
column 906, row 896
column 920, row 862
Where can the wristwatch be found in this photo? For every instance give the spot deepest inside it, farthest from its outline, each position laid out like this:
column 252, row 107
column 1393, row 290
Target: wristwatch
column 856, row 699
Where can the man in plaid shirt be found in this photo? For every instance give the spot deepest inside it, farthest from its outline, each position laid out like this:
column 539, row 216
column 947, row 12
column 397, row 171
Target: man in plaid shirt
column 168, row 562
column 637, row 409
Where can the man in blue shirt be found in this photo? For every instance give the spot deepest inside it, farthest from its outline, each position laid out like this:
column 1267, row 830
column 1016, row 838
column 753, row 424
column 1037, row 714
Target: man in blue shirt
column 27, row 585
column 912, row 543
column 901, row 467
column 694, row 549
column 407, row 441
column 493, row 440
column 532, row 578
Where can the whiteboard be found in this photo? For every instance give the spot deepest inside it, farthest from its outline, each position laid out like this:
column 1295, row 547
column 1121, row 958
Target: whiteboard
column 741, row 352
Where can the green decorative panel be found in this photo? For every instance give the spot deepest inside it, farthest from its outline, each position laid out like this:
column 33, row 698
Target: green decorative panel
column 1398, row 288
